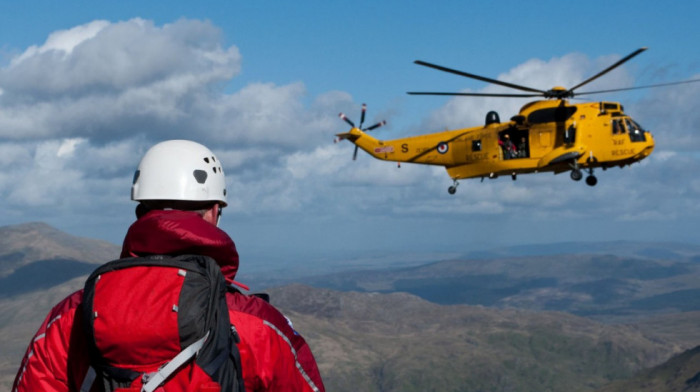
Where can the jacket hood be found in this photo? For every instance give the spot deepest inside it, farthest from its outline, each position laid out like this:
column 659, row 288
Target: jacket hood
column 174, row 232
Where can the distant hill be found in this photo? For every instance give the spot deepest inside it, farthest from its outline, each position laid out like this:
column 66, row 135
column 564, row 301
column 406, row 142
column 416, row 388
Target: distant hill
column 633, row 249
column 36, row 256
column 603, row 286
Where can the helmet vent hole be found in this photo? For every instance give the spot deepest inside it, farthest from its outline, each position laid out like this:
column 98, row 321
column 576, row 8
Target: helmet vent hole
column 200, row 176
column 206, row 159
column 213, row 158
column 137, row 173
column 214, row 168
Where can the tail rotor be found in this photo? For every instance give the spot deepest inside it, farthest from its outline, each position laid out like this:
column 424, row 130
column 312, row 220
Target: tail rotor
column 362, row 121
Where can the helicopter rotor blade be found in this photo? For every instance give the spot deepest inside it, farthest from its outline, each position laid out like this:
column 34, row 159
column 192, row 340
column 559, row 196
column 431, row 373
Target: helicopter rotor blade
column 354, row 154
column 477, row 94
column 375, row 126
column 362, row 116
column 639, row 87
column 477, row 77
column 606, row 70
column 346, row 119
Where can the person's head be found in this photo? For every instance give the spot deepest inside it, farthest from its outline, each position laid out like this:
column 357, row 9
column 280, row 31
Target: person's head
column 180, row 175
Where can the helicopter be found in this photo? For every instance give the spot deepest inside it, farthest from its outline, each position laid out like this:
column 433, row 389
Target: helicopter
column 548, row 135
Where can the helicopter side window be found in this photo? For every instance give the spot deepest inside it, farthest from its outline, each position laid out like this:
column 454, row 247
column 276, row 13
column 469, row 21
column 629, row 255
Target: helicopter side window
column 635, row 130
column 476, row 145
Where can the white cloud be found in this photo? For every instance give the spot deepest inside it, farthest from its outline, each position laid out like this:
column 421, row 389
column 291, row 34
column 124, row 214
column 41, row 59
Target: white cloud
column 111, row 80
column 67, row 147
column 63, row 40
column 45, row 179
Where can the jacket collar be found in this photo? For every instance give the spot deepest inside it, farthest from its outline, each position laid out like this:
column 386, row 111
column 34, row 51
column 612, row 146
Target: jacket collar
column 175, row 232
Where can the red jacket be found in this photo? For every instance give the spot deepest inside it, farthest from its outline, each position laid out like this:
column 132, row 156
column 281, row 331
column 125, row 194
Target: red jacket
column 274, row 357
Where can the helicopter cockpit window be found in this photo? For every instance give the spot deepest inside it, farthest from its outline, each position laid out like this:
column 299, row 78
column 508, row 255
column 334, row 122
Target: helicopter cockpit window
column 476, row 145
column 635, row 130
column 617, row 127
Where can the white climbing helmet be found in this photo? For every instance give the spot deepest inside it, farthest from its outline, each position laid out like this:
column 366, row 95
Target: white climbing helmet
column 179, row 170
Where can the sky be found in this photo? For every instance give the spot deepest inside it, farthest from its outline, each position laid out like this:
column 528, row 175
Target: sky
column 87, row 87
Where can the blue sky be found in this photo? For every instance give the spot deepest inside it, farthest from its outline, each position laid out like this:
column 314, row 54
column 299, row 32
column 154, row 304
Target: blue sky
column 87, row 87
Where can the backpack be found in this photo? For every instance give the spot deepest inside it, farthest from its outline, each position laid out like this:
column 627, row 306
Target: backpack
column 160, row 321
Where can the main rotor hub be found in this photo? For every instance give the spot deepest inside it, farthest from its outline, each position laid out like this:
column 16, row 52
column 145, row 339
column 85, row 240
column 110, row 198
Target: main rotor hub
column 558, row 92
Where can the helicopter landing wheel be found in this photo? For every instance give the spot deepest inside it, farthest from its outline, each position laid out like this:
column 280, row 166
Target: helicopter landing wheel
column 452, row 189
column 576, row 175
column 591, row 180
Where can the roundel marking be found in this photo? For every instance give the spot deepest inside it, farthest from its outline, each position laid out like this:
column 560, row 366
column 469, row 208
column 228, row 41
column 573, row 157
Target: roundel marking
column 442, row 147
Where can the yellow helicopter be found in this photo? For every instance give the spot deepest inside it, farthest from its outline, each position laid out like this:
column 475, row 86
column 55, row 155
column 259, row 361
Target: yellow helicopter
column 548, row 135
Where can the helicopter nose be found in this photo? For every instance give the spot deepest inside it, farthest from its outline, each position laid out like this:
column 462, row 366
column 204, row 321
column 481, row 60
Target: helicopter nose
column 650, row 146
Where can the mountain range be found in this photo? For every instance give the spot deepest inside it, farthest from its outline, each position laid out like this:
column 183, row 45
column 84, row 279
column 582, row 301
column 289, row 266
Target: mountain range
column 506, row 320
column 606, row 287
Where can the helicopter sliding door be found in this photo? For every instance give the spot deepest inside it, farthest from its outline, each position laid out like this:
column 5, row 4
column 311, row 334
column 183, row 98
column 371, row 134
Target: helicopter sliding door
column 514, row 143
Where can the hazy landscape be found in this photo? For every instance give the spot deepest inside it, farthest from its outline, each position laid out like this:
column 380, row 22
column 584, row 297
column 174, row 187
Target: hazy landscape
column 608, row 316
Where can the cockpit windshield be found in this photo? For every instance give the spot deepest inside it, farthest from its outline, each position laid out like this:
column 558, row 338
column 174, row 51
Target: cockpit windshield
column 635, row 130
column 621, row 126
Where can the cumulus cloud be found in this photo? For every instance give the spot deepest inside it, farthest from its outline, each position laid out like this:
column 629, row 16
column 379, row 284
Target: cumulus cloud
column 109, row 80
column 63, row 41
column 78, row 111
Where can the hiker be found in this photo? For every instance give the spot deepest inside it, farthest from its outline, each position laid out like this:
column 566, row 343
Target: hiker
column 181, row 191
